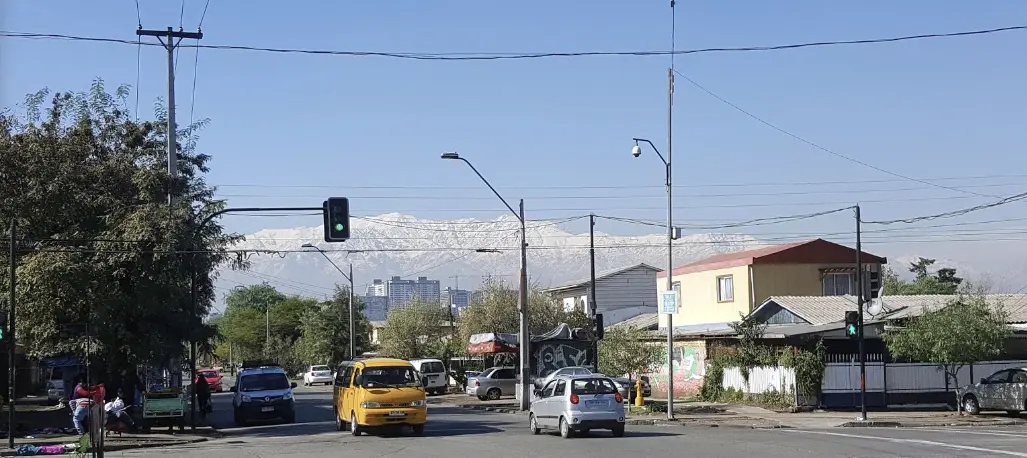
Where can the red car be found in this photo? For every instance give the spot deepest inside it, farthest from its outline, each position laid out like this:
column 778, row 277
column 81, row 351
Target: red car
column 213, row 379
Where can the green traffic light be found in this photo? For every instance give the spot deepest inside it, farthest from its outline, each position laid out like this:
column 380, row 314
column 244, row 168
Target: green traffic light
column 339, row 227
column 852, row 329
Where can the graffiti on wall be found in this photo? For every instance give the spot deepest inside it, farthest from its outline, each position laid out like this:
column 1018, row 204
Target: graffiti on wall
column 689, row 370
column 551, row 355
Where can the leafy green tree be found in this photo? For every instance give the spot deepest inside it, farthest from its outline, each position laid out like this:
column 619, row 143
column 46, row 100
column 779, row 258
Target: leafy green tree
column 966, row 330
column 325, row 330
column 414, row 331
column 628, row 350
column 87, row 184
column 944, row 281
column 496, row 311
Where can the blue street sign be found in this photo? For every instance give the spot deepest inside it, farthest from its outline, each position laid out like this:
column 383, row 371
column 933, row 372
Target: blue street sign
column 669, row 302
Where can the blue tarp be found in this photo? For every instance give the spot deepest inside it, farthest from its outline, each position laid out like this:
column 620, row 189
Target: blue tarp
column 61, row 361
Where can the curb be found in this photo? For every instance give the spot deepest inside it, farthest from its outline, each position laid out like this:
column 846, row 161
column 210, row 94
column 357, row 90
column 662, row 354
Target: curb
column 896, row 424
column 635, row 421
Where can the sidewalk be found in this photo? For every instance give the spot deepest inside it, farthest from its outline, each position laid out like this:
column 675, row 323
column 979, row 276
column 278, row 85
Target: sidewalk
column 123, row 442
column 744, row 416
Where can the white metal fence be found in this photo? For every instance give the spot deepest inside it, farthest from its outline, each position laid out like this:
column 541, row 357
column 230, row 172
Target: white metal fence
column 843, row 377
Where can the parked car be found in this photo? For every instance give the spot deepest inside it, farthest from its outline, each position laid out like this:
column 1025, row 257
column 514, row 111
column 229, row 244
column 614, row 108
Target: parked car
column 626, row 386
column 213, row 378
column 493, row 383
column 318, row 374
column 434, row 373
column 1004, row 390
column 577, row 404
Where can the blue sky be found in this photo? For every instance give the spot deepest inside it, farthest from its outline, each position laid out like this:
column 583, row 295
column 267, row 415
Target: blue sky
column 289, row 129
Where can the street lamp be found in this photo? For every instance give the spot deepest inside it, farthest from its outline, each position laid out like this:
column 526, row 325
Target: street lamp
column 637, row 151
column 522, row 285
column 349, row 277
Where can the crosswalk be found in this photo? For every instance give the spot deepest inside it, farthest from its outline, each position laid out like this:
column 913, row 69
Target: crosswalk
column 977, row 441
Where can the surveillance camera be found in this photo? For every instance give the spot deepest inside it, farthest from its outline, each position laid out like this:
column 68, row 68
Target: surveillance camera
column 636, row 151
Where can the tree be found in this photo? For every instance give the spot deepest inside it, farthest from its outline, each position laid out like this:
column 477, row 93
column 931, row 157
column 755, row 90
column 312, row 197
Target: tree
column 944, row 281
column 627, row 350
column 101, row 246
column 325, row 330
column 496, row 311
column 414, row 331
column 966, row 330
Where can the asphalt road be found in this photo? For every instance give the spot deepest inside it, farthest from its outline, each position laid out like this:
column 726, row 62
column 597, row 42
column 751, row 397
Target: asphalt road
column 453, row 432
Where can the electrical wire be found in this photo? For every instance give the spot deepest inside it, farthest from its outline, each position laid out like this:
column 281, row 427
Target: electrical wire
column 949, row 214
column 204, row 15
column 821, row 148
column 520, row 56
column 625, row 186
column 752, row 222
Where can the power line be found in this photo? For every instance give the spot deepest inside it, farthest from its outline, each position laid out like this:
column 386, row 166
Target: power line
column 204, row 15
column 519, row 56
column 624, row 186
column 821, row 148
column 949, row 214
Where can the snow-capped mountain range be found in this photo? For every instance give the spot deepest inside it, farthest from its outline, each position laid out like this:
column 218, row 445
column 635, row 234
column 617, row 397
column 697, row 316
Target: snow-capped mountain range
column 461, row 252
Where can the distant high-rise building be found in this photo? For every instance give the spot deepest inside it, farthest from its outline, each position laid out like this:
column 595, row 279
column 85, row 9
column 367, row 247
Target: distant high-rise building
column 377, row 288
column 402, row 292
column 457, row 297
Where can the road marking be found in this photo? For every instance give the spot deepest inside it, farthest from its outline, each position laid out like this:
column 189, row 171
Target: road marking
column 911, row 441
column 976, row 431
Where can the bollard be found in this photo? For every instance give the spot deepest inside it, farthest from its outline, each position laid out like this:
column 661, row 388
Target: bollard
column 639, row 402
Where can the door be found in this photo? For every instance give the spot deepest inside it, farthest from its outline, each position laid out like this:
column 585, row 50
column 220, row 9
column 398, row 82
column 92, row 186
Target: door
column 1017, row 393
column 543, row 406
column 993, row 391
column 557, row 401
column 506, row 379
column 338, row 386
column 349, row 392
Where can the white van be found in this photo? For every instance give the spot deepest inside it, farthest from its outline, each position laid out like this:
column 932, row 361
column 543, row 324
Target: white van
column 435, row 372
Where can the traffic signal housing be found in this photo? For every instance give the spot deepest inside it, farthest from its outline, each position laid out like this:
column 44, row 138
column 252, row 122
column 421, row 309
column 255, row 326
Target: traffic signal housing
column 600, row 329
column 336, row 219
column 852, row 324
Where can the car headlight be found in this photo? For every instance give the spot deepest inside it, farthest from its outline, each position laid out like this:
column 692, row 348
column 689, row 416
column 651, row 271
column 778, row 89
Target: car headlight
column 419, row 403
column 370, row 405
column 246, row 398
column 287, row 396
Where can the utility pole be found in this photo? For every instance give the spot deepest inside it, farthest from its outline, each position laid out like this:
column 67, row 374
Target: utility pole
column 352, row 323
column 593, row 306
column 167, row 38
column 522, row 305
column 670, row 215
column 12, row 263
column 859, row 308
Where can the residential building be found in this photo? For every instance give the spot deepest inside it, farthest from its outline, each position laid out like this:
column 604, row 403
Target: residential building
column 376, row 308
column 402, row 292
column 377, row 288
column 721, row 289
column 620, row 293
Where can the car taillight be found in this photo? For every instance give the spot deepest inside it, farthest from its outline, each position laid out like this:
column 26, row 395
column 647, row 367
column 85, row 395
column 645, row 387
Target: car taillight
column 574, row 399
column 618, row 397
column 477, row 383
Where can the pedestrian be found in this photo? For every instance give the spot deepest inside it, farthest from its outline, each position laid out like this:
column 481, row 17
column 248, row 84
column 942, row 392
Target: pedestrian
column 202, row 393
column 81, row 400
column 116, row 411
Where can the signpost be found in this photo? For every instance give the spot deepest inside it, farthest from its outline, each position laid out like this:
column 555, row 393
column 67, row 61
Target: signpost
column 669, row 302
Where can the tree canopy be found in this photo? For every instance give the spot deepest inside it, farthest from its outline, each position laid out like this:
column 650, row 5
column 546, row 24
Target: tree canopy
column 628, row 350
column 99, row 243
column 944, row 281
column 303, row 331
column 415, row 331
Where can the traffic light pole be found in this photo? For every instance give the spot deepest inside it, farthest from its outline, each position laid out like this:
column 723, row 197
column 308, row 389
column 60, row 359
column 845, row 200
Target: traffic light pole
column 10, row 332
column 594, row 307
column 859, row 308
column 192, row 285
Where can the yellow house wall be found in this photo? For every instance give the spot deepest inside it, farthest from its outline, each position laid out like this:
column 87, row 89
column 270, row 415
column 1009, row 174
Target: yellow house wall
column 792, row 279
column 698, row 303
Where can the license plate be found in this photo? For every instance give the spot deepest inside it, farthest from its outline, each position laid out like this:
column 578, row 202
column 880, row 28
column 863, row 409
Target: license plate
column 267, row 409
column 433, row 377
column 397, row 413
column 597, row 403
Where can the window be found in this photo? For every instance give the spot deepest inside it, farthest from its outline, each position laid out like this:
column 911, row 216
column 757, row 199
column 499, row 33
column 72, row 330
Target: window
column 725, row 289
column 593, row 386
column 391, row 376
column 548, row 390
column 1019, row 377
column 1000, row 376
column 561, row 388
column 432, row 367
column 504, row 374
column 839, row 284
column 263, row 382
column 677, row 289
column 343, row 376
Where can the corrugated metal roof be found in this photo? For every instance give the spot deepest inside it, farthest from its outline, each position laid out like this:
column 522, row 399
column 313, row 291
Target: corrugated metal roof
column 600, row 276
column 831, row 309
column 643, row 321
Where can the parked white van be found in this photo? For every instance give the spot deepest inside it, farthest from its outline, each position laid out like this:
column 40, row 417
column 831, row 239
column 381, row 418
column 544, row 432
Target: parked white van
column 435, row 372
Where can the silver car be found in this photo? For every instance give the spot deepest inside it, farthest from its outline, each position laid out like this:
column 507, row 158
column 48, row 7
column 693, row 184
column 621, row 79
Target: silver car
column 577, row 404
column 493, row 383
column 1003, row 390
column 626, row 386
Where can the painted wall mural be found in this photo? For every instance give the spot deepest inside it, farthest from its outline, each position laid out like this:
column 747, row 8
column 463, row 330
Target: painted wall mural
column 689, row 370
column 548, row 356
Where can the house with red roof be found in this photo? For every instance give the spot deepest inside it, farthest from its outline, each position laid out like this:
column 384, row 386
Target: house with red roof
column 718, row 290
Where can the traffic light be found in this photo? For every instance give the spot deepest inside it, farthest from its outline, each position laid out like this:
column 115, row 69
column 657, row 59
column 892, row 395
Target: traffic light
column 599, row 326
column 852, row 324
column 336, row 216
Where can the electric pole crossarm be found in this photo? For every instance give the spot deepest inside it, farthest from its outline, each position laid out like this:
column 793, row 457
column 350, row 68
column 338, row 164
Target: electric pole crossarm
column 181, row 35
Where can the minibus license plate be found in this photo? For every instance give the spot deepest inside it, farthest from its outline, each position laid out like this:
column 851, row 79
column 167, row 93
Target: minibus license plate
column 267, row 409
column 397, row 413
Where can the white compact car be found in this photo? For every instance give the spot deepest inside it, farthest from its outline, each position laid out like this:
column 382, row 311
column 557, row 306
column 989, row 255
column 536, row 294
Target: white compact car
column 318, row 374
